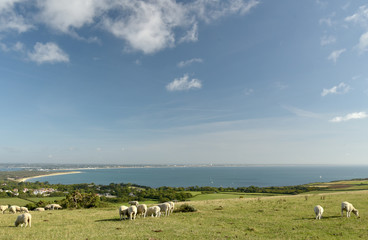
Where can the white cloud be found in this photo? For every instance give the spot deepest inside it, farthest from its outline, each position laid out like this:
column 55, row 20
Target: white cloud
column 10, row 20
column 192, row 34
column 350, row 116
column 183, row 83
column 326, row 40
column 47, row 53
column 149, row 25
column 339, row 89
column 17, row 47
column 189, row 62
column 360, row 17
column 335, row 55
column 67, row 15
column 145, row 25
column 215, row 9
column 363, row 43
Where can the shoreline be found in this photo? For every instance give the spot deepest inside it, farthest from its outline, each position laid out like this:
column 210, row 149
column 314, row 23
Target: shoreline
column 47, row 175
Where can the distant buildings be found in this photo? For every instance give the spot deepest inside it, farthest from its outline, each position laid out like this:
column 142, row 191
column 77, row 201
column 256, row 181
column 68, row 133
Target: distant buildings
column 42, row 191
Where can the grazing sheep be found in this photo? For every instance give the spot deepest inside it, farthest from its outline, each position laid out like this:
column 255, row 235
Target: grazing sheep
column 165, row 207
column 172, row 205
column 13, row 209
column 24, row 218
column 24, row 209
column 348, row 207
column 155, row 210
column 3, row 208
column 132, row 212
column 142, row 209
column 56, row 206
column 123, row 211
column 136, row 203
column 40, row 209
column 52, row 206
column 319, row 211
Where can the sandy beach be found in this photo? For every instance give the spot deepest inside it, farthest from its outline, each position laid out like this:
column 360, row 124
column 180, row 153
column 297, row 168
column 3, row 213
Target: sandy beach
column 46, row 175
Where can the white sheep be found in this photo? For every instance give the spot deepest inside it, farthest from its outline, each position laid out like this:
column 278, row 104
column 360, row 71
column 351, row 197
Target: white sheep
column 52, row 206
column 153, row 211
column 13, row 209
column 39, row 209
column 165, row 207
column 348, row 207
column 318, row 211
column 56, row 206
column 142, row 209
column 123, row 211
column 132, row 212
column 3, row 208
column 24, row 209
column 136, row 203
column 172, row 205
column 24, row 218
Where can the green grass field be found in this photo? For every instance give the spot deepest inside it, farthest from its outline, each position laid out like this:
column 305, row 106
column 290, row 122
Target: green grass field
column 277, row 217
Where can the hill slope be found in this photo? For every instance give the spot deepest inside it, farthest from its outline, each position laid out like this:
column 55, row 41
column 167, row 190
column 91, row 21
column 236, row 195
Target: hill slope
column 286, row 217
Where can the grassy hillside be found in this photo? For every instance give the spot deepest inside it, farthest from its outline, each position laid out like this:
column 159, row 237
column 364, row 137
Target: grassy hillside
column 278, row 217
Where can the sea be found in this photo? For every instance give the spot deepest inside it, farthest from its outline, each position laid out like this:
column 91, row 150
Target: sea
column 244, row 176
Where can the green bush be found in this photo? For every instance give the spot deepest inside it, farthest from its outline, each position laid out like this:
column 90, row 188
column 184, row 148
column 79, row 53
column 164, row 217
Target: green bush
column 186, row 208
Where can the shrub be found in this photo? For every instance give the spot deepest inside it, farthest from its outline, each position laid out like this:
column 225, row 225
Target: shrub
column 31, row 206
column 186, row 208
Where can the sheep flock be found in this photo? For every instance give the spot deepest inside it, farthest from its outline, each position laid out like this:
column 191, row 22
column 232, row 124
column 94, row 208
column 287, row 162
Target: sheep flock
column 142, row 210
column 136, row 209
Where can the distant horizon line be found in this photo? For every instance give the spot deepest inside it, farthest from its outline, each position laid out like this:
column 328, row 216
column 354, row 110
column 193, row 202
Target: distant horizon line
column 33, row 165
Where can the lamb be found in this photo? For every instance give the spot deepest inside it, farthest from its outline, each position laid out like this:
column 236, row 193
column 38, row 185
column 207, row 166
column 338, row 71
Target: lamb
column 40, row 209
column 165, row 207
column 319, row 211
column 155, row 210
column 24, row 218
column 123, row 211
column 3, row 208
column 142, row 209
column 132, row 212
column 136, row 203
column 348, row 207
column 24, row 209
column 172, row 205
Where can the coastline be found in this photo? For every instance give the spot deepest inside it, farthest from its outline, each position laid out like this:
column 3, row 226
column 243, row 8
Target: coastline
column 47, row 175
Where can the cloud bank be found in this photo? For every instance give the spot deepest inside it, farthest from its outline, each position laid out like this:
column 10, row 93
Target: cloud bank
column 147, row 26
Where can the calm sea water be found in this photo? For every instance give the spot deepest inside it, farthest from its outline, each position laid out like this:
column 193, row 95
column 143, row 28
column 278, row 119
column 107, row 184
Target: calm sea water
column 213, row 176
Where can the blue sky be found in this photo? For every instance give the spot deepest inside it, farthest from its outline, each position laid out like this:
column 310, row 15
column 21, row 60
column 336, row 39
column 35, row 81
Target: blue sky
column 183, row 82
